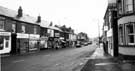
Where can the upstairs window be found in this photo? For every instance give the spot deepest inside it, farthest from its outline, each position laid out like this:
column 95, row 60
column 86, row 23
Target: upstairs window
column 120, row 7
column 128, row 5
column 23, row 29
column 130, row 28
column 2, row 21
column 35, row 30
column 134, row 5
column 13, row 28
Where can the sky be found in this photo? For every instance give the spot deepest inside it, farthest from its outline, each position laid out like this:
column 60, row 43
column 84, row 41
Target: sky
column 81, row 15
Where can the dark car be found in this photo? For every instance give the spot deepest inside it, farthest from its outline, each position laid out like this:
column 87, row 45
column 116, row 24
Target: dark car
column 78, row 44
column 90, row 42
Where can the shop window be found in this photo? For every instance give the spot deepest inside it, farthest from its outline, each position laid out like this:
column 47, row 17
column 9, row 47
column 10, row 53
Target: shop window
column 7, row 44
column 121, row 37
column 130, row 33
column 1, row 43
column 128, row 6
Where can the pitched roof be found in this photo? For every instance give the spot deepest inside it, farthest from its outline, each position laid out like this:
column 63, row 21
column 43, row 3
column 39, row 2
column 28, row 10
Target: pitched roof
column 54, row 28
column 44, row 24
column 13, row 14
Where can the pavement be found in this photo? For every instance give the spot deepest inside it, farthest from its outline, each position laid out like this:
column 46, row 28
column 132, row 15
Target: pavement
column 100, row 61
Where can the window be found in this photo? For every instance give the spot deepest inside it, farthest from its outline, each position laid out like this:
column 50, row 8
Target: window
column 130, row 28
column 13, row 28
column 134, row 5
column 23, row 29
column 119, row 7
column 1, row 43
column 110, row 19
column 2, row 20
column 121, row 37
column 128, row 6
column 35, row 30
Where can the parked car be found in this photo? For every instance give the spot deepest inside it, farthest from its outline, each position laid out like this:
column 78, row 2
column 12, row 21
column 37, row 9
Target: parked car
column 78, row 44
column 90, row 42
column 85, row 44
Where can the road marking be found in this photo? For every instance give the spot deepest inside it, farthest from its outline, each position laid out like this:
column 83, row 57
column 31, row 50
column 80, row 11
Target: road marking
column 48, row 55
column 105, row 63
column 18, row 61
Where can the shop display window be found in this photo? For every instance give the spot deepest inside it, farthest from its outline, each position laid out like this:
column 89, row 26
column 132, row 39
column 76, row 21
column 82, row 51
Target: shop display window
column 121, row 37
column 1, row 43
column 130, row 29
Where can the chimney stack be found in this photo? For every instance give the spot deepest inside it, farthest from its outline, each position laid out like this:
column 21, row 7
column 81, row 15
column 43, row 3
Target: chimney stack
column 39, row 19
column 20, row 12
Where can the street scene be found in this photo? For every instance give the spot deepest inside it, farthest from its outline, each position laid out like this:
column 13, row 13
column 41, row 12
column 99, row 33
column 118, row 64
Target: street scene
column 67, row 35
column 69, row 59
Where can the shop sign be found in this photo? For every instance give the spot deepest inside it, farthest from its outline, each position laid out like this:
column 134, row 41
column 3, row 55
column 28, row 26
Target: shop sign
column 33, row 36
column 5, row 33
column 111, row 1
column 21, row 35
column 43, row 38
column 57, row 34
column 109, row 33
column 105, row 28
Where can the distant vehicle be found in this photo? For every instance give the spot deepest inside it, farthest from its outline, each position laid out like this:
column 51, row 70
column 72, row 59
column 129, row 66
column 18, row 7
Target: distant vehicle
column 85, row 44
column 78, row 44
column 90, row 42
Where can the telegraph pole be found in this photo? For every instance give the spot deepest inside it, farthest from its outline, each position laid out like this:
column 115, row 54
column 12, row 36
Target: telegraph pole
column 115, row 33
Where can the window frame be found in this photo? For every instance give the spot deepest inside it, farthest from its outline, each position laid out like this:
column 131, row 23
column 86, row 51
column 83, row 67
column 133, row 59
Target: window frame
column 126, row 6
column 120, row 7
column 35, row 29
column 121, row 34
column 127, row 34
column 2, row 19
column 13, row 27
column 23, row 28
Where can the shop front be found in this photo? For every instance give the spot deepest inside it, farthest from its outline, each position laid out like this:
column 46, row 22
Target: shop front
column 5, row 42
column 43, row 42
column 34, row 42
column 22, row 43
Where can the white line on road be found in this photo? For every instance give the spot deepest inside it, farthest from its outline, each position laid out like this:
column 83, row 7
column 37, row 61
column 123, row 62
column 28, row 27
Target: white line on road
column 18, row 61
column 48, row 55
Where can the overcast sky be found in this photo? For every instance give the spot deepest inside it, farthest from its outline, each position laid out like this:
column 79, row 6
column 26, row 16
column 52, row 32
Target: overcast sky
column 81, row 15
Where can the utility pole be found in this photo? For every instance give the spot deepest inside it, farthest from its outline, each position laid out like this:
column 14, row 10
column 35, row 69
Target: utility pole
column 115, row 33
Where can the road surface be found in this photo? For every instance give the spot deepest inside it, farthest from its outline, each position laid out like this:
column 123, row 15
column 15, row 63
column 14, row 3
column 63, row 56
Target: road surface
column 66, row 59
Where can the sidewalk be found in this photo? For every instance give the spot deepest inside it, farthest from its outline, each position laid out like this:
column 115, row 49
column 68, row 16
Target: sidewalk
column 103, row 62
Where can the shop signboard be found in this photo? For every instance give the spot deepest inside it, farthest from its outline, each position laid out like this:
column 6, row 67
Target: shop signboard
column 109, row 33
column 34, row 36
column 5, row 33
column 57, row 34
column 22, row 35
